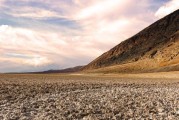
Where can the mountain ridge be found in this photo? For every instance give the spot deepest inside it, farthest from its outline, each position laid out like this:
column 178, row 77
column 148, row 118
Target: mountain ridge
column 157, row 44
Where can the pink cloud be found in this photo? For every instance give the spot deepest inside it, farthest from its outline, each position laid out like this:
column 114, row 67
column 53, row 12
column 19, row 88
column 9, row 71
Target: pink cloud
column 104, row 24
column 43, row 47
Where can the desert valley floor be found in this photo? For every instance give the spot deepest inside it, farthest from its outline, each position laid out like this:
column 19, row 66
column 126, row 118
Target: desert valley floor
column 89, row 96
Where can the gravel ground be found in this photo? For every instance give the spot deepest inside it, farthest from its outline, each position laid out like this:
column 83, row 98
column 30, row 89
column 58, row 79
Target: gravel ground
column 63, row 97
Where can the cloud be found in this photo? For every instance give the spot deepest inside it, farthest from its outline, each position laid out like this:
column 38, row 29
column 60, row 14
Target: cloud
column 101, row 8
column 108, row 21
column 31, row 12
column 167, row 8
column 54, row 34
column 27, row 59
column 21, row 45
column 33, row 9
column 1, row 3
column 31, row 48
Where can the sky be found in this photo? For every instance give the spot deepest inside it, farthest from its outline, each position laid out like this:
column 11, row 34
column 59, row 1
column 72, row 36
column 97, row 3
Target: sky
column 39, row 35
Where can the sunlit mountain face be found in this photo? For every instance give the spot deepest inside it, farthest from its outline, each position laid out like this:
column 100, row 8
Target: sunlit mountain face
column 37, row 35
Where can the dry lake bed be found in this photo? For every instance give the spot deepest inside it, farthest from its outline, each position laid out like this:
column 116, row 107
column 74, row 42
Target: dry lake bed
column 89, row 97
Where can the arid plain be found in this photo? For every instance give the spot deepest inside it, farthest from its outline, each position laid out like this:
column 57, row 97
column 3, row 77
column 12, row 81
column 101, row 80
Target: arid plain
column 89, row 96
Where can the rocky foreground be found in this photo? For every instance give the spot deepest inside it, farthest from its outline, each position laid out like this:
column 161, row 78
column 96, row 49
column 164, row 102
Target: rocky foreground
column 48, row 97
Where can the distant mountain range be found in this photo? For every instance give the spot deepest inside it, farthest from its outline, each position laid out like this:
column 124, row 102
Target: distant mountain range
column 67, row 70
column 156, row 48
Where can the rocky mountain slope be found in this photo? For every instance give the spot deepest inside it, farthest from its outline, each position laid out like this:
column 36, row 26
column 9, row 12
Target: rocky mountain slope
column 156, row 48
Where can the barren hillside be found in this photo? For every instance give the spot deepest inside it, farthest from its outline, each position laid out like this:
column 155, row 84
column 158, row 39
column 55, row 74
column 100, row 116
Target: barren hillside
column 156, row 48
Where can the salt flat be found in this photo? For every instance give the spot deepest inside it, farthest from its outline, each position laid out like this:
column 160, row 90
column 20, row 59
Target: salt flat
column 89, row 96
